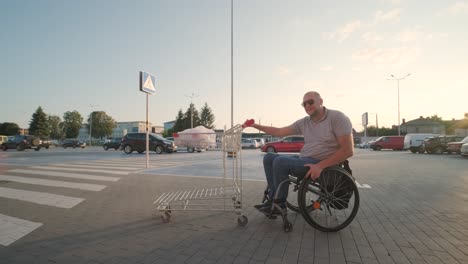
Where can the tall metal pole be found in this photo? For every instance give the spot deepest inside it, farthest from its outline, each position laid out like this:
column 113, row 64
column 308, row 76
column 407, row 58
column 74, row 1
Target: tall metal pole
column 147, row 131
column 91, row 124
column 398, row 92
column 232, row 64
column 191, row 108
column 90, row 127
column 398, row 89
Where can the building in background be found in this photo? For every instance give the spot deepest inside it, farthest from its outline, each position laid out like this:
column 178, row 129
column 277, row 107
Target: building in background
column 422, row 125
column 168, row 125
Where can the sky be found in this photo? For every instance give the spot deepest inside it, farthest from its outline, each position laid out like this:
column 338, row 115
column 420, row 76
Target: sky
column 87, row 55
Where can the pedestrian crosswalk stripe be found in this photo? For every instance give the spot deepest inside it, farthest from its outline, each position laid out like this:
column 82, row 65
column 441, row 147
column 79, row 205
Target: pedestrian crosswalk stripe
column 114, row 165
column 76, row 169
column 66, row 175
column 73, row 185
column 40, row 197
column 93, row 167
column 12, row 229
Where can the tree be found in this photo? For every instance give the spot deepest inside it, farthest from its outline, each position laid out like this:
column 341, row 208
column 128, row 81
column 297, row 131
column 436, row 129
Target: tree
column 56, row 127
column 39, row 125
column 206, row 117
column 188, row 117
column 72, row 122
column 179, row 123
column 101, row 124
column 9, row 129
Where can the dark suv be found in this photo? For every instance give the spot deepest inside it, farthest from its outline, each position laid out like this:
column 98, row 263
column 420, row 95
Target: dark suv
column 137, row 142
column 438, row 145
column 112, row 143
column 73, row 143
column 22, row 142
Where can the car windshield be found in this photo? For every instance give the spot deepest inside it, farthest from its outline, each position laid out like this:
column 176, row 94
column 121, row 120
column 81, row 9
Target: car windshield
column 465, row 140
column 157, row 136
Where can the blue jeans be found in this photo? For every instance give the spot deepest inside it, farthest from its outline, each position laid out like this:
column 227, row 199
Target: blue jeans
column 278, row 167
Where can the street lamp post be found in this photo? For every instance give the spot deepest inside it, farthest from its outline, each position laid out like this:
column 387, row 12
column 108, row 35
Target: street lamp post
column 91, row 124
column 376, row 124
column 398, row 91
column 191, row 108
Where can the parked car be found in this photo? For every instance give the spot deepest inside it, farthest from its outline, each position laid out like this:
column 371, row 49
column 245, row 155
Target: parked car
column 455, row 147
column 112, row 143
column 249, row 143
column 3, row 139
column 388, row 142
column 438, row 145
column 286, row 144
column 464, row 150
column 261, row 141
column 22, row 142
column 73, row 143
column 45, row 143
column 137, row 142
column 170, row 138
column 414, row 142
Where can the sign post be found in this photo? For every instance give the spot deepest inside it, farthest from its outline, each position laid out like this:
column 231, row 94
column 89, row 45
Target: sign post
column 147, row 82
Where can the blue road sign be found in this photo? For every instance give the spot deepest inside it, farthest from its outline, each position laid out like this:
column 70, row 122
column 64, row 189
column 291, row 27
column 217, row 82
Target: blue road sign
column 147, row 83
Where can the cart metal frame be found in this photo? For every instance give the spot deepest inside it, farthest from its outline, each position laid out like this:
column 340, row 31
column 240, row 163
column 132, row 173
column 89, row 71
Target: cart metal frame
column 225, row 198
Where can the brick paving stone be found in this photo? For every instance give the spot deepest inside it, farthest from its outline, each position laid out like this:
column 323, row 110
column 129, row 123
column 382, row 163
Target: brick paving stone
column 399, row 258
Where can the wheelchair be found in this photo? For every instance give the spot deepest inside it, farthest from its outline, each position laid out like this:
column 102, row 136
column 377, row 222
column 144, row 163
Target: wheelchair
column 328, row 203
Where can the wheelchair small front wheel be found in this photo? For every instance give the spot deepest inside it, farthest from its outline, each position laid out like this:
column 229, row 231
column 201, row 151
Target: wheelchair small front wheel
column 330, row 203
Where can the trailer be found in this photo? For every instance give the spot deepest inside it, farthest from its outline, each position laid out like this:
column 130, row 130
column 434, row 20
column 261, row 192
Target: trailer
column 195, row 139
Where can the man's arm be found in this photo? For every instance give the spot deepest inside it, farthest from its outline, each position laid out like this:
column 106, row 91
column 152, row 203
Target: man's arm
column 345, row 151
column 275, row 131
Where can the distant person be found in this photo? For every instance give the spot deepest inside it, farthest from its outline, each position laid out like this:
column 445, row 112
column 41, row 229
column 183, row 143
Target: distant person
column 328, row 141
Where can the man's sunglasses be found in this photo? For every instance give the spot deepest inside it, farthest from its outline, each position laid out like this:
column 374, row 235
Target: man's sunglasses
column 308, row 102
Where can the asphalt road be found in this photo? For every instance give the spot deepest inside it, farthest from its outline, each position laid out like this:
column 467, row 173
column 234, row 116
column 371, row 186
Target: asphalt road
column 55, row 203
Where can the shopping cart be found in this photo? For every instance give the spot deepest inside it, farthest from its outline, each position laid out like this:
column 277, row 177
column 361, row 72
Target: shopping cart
column 225, row 198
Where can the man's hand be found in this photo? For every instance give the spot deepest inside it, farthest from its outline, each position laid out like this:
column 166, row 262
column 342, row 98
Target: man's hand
column 314, row 171
column 248, row 122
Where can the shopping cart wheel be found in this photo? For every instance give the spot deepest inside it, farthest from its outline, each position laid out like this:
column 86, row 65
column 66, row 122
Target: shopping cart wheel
column 166, row 217
column 287, row 226
column 242, row 220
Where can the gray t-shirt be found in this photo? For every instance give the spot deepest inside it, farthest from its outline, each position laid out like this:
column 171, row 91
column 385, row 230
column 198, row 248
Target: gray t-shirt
column 321, row 138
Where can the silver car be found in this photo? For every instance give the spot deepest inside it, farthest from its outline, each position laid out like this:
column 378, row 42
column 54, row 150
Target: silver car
column 464, row 150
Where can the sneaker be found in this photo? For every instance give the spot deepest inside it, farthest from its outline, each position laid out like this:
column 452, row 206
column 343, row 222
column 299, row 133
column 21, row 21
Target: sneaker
column 263, row 205
column 275, row 211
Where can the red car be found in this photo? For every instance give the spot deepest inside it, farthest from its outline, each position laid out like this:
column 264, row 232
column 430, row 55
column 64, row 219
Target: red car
column 455, row 147
column 286, row 144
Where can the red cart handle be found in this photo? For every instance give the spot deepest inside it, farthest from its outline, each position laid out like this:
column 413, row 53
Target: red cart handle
column 248, row 122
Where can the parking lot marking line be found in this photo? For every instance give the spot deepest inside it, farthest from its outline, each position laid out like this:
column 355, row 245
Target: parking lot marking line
column 92, row 167
column 12, row 229
column 198, row 176
column 40, row 197
column 77, row 169
column 136, row 163
column 72, row 185
column 364, row 186
column 67, row 175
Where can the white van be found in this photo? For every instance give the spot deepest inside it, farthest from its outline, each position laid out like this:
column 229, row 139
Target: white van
column 413, row 142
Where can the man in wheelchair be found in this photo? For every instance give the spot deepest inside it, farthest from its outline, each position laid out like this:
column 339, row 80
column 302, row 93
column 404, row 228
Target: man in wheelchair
column 327, row 141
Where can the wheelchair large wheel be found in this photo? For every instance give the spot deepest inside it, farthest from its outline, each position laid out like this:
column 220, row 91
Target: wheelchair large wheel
column 333, row 197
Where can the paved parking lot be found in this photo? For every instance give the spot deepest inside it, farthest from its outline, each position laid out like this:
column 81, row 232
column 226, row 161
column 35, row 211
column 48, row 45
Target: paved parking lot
column 96, row 207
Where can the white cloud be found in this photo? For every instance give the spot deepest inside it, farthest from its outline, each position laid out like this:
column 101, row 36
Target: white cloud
column 326, row 68
column 407, row 36
column 344, row 32
column 392, row 56
column 284, row 71
column 371, row 37
column 458, row 8
column 390, row 16
column 393, row 2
